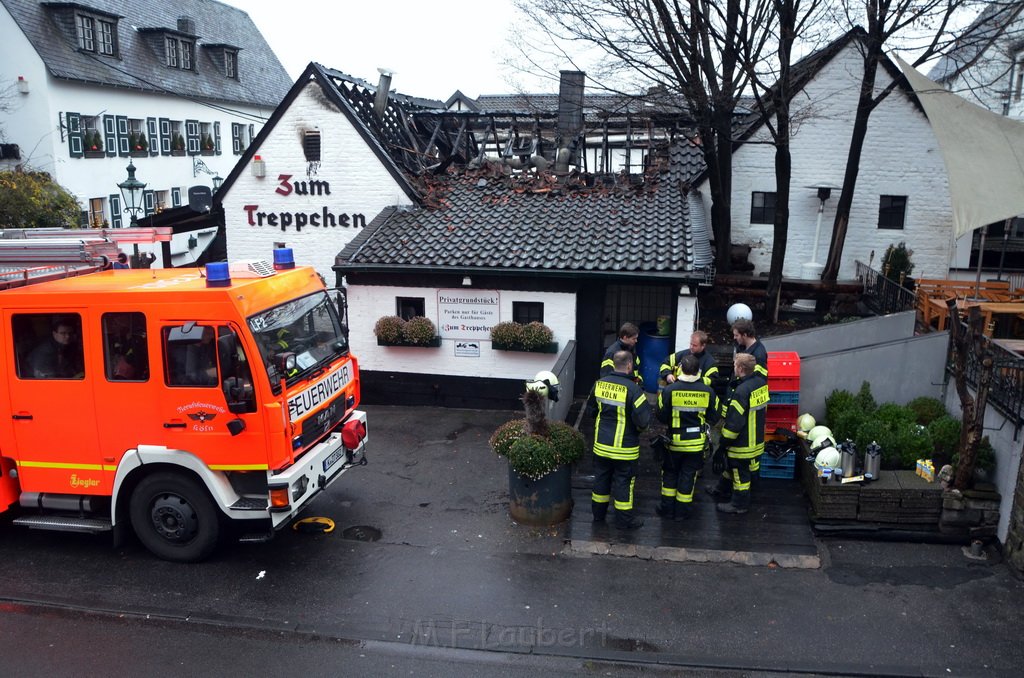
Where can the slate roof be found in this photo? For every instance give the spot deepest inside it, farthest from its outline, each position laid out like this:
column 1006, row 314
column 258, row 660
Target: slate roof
column 487, row 220
column 261, row 79
column 991, row 23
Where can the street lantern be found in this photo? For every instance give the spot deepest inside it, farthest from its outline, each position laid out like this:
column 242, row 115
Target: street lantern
column 217, row 181
column 132, row 192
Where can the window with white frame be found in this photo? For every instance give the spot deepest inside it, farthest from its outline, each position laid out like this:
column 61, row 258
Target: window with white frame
column 179, row 52
column 97, row 207
column 171, row 51
column 230, row 63
column 105, row 40
column 86, row 26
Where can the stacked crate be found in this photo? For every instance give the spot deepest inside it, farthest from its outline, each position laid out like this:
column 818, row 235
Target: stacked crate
column 783, row 409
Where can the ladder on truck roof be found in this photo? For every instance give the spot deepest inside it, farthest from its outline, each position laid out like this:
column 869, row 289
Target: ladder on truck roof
column 33, row 255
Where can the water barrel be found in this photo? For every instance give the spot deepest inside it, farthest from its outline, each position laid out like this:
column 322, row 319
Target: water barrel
column 652, row 349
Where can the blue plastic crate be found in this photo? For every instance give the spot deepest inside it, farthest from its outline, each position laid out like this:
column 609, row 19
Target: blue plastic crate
column 783, row 397
column 783, row 467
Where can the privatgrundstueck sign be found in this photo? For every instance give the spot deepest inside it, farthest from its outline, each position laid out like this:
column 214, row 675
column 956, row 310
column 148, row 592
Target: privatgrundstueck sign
column 467, row 314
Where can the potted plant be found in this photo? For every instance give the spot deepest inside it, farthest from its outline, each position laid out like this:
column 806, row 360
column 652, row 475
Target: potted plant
column 178, row 145
column 896, row 264
column 388, row 330
column 139, row 147
column 540, row 456
column 534, row 337
column 206, row 145
column 94, row 145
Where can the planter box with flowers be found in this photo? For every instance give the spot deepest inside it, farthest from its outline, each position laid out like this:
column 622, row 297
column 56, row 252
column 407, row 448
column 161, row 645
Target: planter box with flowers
column 138, row 146
column 533, row 337
column 417, row 332
column 94, row 145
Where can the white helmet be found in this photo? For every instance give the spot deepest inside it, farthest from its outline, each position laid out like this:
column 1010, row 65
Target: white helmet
column 818, row 431
column 823, row 441
column 545, row 383
column 829, row 458
column 805, row 422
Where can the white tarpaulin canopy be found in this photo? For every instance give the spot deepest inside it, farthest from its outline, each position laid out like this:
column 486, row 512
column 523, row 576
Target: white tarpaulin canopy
column 983, row 152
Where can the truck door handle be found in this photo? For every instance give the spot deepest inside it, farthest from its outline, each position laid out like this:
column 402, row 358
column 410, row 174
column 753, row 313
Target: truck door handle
column 175, row 424
column 18, row 417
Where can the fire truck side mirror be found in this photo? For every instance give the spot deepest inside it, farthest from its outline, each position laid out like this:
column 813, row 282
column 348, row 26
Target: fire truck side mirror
column 239, row 395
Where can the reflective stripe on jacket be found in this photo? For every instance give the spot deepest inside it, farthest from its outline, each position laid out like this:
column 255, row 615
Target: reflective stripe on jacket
column 608, row 367
column 707, row 365
column 743, row 432
column 686, row 407
column 620, row 410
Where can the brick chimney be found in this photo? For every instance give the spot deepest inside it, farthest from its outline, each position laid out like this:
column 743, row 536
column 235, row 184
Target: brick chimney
column 570, row 119
column 187, row 24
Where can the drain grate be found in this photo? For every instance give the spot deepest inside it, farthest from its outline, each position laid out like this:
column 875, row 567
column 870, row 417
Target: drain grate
column 361, row 533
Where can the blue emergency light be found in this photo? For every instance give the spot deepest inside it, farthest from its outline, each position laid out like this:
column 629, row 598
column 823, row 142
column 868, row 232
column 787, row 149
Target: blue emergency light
column 218, row 274
column 284, row 259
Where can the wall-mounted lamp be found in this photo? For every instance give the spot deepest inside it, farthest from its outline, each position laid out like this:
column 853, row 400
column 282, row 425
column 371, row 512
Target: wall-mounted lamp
column 467, row 281
column 22, row 84
column 259, row 168
column 218, row 181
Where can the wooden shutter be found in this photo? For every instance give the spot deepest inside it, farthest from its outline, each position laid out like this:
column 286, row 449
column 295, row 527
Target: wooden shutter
column 175, row 197
column 115, row 210
column 110, row 134
column 122, row 136
column 154, row 138
column 216, row 138
column 76, row 143
column 236, row 138
column 149, row 200
column 165, row 136
column 192, row 136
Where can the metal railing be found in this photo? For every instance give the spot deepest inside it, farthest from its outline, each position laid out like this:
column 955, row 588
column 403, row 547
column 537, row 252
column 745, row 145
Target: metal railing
column 1006, row 390
column 881, row 294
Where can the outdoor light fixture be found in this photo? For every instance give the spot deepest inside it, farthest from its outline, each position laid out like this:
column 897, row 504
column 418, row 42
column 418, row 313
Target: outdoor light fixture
column 22, row 84
column 218, row 181
column 467, row 281
column 259, row 168
column 812, row 269
column 132, row 191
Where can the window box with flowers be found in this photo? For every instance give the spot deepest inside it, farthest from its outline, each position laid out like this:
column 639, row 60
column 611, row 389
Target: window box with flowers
column 138, row 146
column 206, row 146
column 94, row 145
column 415, row 332
column 178, row 145
column 532, row 337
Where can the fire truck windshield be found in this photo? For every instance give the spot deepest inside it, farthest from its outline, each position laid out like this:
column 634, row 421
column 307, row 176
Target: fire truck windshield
column 307, row 327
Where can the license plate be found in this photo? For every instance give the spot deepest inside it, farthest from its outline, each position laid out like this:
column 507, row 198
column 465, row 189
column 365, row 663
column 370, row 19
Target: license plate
column 333, row 459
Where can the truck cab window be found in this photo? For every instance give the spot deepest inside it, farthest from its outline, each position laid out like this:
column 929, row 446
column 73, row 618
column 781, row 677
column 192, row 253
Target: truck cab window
column 191, row 355
column 125, row 354
column 49, row 345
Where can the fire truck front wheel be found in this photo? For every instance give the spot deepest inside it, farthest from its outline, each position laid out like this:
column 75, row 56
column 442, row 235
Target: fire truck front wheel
column 174, row 517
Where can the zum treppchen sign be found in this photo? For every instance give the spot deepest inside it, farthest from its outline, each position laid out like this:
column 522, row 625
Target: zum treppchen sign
column 321, row 218
column 467, row 314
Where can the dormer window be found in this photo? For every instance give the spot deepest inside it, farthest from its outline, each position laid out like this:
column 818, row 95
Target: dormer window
column 179, row 52
column 230, row 63
column 96, row 34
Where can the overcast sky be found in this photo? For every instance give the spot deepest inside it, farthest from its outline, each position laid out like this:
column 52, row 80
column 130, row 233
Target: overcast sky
column 433, row 47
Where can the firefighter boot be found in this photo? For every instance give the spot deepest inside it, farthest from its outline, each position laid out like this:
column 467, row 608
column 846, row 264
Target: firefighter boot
column 722, row 491
column 740, row 503
column 667, row 508
column 683, row 511
column 600, row 510
column 625, row 520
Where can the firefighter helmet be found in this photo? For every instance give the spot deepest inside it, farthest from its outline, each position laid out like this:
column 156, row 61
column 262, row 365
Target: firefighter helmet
column 828, row 458
column 805, row 422
column 545, row 383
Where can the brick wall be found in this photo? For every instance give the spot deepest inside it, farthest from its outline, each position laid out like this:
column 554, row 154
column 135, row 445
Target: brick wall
column 900, row 157
column 358, row 182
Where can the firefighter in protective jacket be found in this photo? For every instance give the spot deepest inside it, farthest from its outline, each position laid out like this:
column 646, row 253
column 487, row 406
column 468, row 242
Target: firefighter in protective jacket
column 621, row 412
column 742, row 435
column 687, row 406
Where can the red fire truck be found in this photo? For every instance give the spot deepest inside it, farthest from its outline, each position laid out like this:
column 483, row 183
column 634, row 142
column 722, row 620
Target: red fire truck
column 173, row 403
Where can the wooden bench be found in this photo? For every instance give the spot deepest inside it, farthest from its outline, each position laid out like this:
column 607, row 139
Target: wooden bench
column 932, row 294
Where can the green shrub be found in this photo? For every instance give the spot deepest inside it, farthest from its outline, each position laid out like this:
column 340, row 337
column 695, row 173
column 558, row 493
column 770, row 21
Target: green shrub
column 535, row 456
column 926, row 410
column 419, row 331
column 875, row 431
column 912, row 443
column 986, row 459
column 945, row 434
column 389, row 329
column 837, row 403
column 896, row 261
column 894, row 415
column 846, row 423
column 865, row 400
